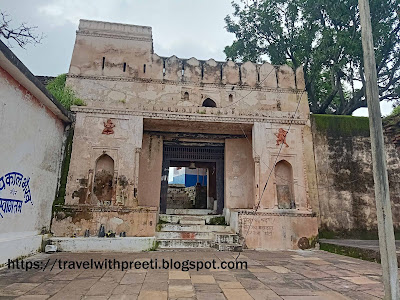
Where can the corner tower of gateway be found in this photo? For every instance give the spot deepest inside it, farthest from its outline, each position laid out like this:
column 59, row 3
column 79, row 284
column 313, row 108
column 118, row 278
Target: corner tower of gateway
column 223, row 125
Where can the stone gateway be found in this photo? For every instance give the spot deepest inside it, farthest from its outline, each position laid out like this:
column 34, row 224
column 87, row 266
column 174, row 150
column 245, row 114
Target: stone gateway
column 222, row 124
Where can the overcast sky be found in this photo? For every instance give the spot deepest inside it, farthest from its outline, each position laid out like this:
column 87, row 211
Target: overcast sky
column 185, row 28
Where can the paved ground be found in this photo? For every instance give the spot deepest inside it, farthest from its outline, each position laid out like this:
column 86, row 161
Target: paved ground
column 289, row 275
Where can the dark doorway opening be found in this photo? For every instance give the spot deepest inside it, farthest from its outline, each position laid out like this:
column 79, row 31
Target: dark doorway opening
column 202, row 167
column 209, row 103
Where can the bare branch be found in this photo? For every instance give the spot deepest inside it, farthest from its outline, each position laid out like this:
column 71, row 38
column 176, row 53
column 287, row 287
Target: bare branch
column 22, row 35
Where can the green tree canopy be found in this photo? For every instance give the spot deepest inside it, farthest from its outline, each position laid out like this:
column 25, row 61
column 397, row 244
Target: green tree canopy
column 324, row 37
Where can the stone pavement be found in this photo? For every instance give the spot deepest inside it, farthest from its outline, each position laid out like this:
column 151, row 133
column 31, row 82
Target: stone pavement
column 288, row 275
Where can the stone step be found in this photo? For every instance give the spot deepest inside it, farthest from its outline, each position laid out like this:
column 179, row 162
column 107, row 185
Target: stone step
column 236, row 247
column 185, row 235
column 226, row 238
column 175, row 211
column 182, row 243
column 175, row 219
column 195, row 228
column 192, row 221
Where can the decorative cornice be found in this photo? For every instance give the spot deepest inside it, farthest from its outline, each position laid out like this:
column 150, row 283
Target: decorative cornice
column 187, row 83
column 113, row 36
column 216, row 115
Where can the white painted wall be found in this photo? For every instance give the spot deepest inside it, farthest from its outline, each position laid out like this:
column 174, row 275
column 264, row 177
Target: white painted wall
column 95, row 244
column 31, row 143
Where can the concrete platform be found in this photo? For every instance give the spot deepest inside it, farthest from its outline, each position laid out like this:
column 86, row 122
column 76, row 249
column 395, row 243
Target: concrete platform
column 96, row 244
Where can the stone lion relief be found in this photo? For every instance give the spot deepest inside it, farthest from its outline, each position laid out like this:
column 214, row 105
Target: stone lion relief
column 281, row 137
column 108, row 127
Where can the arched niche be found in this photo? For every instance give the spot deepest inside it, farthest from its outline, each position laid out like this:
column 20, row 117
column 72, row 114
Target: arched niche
column 284, row 185
column 209, row 103
column 103, row 179
column 186, row 96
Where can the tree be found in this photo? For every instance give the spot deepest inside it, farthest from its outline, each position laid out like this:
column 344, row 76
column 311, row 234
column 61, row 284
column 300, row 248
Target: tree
column 22, row 34
column 324, row 37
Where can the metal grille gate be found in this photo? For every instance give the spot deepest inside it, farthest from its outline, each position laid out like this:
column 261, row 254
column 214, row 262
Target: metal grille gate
column 181, row 152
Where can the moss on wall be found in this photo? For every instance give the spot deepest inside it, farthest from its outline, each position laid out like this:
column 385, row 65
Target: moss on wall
column 60, row 197
column 341, row 125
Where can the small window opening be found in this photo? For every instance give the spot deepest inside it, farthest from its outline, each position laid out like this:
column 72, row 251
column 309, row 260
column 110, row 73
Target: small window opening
column 104, row 62
column 186, row 96
column 202, row 71
column 240, row 74
column 230, row 97
column 163, row 68
column 209, row 103
column 258, row 76
column 144, row 68
column 221, row 72
column 124, row 66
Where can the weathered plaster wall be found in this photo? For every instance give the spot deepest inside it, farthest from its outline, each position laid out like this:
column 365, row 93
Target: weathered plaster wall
column 32, row 139
column 134, row 222
column 90, row 202
column 239, row 174
column 148, row 80
column 277, row 231
column 111, row 49
column 150, row 170
column 344, row 174
column 265, row 153
column 90, row 143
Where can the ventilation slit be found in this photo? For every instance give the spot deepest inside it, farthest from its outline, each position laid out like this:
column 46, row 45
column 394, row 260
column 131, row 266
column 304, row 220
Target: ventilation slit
column 144, row 68
column 124, row 66
column 104, row 62
column 163, row 68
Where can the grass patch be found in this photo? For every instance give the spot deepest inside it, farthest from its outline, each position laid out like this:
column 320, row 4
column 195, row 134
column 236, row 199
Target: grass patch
column 63, row 93
column 350, row 234
column 155, row 246
column 359, row 253
column 217, row 221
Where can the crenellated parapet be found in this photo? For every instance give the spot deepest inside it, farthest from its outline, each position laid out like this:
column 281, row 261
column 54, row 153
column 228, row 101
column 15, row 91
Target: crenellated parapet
column 121, row 50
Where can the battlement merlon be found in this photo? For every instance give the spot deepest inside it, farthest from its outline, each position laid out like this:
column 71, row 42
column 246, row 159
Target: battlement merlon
column 104, row 49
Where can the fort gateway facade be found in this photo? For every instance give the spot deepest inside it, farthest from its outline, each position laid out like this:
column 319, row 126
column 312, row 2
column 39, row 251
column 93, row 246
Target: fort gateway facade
column 145, row 113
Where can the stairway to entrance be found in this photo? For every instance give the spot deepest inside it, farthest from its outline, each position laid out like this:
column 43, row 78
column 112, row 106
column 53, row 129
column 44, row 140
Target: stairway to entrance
column 195, row 228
